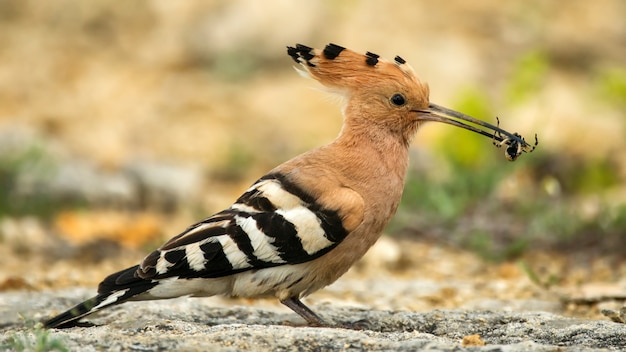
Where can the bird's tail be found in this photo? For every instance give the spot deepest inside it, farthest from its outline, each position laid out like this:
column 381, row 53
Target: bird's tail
column 115, row 289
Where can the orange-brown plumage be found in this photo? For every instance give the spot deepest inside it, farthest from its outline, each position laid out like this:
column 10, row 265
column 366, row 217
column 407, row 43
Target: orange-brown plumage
column 305, row 223
column 367, row 90
column 362, row 172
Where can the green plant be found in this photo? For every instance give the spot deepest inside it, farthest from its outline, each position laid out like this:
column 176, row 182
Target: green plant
column 543, row 282
column 611, row 83
column 527, row 76
column 236, row 163
column 446, row 197
column 19, row 194
column 34, row 339
column 458, row 146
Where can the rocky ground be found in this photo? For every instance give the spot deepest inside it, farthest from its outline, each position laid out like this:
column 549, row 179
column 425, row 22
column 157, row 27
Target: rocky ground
column 403, row 295
column 215, row 325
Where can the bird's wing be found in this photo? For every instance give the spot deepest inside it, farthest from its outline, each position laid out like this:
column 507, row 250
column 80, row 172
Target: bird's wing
column 273, row 223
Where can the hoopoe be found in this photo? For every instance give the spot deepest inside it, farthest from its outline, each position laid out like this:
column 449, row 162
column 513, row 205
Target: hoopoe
column 304, row 224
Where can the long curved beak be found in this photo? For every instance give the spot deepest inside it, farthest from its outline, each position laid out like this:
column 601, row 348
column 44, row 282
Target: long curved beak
column 441, row 114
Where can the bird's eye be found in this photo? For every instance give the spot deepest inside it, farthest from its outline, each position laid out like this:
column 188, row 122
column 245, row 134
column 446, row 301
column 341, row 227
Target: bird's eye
column 398, row 100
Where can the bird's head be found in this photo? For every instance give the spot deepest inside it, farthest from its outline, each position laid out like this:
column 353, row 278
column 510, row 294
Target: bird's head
column 384, row 93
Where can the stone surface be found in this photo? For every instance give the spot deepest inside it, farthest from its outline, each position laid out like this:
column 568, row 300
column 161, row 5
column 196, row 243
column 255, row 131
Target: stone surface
column 217, row 324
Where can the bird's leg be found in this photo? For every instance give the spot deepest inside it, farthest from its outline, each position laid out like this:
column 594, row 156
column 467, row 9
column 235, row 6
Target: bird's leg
column 313, row 319
column 297, row 306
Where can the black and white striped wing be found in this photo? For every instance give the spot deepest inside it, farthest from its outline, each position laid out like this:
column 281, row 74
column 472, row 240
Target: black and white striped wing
column 273, row 223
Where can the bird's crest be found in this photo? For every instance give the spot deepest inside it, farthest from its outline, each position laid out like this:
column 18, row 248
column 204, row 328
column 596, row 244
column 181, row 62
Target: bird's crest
column 345, row 71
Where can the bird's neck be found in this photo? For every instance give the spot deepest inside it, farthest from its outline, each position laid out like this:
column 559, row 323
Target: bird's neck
column 372, row 162
column 378, row 150
column 368, row 159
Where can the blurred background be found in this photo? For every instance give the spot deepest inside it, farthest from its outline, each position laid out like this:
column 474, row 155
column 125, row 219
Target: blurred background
column 123, row 122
